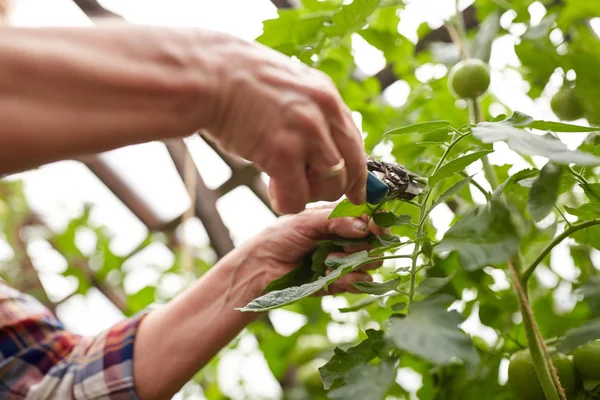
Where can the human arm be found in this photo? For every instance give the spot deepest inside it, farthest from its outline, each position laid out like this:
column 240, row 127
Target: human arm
column 67, row 92
column 185, row 334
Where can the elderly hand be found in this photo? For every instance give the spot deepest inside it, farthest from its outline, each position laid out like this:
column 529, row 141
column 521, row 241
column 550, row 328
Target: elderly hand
column 290, row 120
column 281, row 247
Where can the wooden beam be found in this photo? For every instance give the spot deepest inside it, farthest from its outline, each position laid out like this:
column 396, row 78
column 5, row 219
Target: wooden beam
column 206, row 204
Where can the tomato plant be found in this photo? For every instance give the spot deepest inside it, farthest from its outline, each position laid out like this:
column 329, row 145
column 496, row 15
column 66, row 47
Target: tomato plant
column 507, row 220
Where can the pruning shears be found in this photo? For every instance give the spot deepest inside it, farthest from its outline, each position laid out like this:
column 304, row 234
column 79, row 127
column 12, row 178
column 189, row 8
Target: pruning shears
column 387, row 181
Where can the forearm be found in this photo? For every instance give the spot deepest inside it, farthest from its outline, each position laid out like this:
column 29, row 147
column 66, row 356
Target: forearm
column 66, row 92
column 175, row 342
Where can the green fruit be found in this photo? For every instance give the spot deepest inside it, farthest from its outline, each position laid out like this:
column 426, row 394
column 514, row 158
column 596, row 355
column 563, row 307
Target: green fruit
column 308, row 347
column 469, row 79
column 566, row 105
column 523, row 379
column 587, row 360
column 308, row 374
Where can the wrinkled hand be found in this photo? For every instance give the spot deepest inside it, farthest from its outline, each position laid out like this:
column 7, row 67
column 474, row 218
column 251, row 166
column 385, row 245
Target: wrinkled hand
column 281, row 247
column 290, row 120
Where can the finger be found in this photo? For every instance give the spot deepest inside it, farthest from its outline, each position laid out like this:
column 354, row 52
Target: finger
column 289, row 191
column 349, row 142
column 371, row 266
column 356, row 247
column 316, row 220
column 376, row 229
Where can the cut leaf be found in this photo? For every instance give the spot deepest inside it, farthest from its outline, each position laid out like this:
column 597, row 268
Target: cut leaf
column 377, row 287
column 485, row 236
column 456, row 165
column 279, row 298
column 388, row 219
column 544, row 192
column 431, row 332
column 422, row 128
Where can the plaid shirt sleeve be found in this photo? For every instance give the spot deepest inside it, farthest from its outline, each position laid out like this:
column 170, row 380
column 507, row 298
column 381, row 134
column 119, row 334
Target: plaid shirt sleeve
column 39, row 359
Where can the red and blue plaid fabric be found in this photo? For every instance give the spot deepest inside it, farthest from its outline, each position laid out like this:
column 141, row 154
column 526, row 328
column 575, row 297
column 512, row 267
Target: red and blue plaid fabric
column 39, row 359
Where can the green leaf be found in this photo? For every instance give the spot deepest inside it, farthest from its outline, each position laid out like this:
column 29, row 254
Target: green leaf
column 399, row 306
column 580, row 336
column 351, row 17
column 432, row 333
column 521, row 175
column 592, row 191
column 141, row 299
column 482, row 46
column 420, row 128
column 377, row 288
column 454, row 189
column 344, row 361
column 388, row 219
column 456, row 165
column 560, row 127
column 296, row 277
column 279, row 298
column 323, row 250
column 362, row 303
column 366, row 382
column 544, row 192
column 429, row 286
column 346, row 209
column 527, row 143
column 585, row 211
column 485, row 236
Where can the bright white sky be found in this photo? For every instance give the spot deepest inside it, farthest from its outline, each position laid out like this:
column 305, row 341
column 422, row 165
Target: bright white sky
column 58, row 191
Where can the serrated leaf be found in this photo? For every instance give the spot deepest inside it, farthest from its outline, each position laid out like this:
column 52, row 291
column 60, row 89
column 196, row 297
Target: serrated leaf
column 420, row 128
column 320, row 254
column 432, row 332
column 519, row 176
column 388, row 219
column 377, row 288
column 585, row 211
column 485, row 236
column 346, row 209
column 544, row 192
column 527, row 143
column 456, row 165
column 454, row 189
column 429, row 286
column 580, row 336
column 560, row 127
column 279, row 298
column 366, row 382
column 351, row 17
column 344, row 361
column 592, row 191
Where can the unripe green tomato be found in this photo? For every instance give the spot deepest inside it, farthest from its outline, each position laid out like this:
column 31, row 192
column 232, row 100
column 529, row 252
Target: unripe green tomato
column 469, row 78
column 308, row 347
column 566, row 106
column 308, row 374
column 587, row 360
column 523, row 379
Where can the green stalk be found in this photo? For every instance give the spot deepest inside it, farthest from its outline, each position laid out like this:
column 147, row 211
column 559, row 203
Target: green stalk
column 542, row 363
column 527, row 272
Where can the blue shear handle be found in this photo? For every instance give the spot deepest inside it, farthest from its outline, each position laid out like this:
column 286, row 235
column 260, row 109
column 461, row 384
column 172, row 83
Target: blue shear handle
column 376, row 189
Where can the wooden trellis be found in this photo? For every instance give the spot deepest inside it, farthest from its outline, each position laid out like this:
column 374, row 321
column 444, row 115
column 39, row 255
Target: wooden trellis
column 243, row 174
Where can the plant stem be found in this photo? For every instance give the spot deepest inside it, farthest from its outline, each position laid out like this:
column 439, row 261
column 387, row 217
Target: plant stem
column 527, row 272
column 447, row 151
column 539, row 353
column 417, row 249
column 478, row 186
column 562, row 215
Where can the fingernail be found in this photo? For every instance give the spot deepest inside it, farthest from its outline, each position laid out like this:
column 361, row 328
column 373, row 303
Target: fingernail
column 359, row 225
